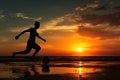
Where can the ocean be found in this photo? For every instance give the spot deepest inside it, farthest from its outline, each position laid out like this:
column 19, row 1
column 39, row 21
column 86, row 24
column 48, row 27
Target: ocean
column 63, row 67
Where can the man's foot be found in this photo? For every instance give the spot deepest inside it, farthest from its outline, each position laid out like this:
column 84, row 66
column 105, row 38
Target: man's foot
column 13, row 55
column 33, row 59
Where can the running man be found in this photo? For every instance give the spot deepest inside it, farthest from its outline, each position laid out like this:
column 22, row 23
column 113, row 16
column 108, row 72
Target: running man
column 31, row 41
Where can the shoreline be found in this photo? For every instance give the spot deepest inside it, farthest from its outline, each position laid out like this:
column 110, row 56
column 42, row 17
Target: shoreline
column 60, row 58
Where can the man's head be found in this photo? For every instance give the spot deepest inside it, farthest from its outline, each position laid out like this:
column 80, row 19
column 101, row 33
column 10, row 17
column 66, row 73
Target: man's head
column 37, row 24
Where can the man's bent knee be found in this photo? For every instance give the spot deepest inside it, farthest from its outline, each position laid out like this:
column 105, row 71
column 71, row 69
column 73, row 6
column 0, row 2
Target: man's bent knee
column 26, row 51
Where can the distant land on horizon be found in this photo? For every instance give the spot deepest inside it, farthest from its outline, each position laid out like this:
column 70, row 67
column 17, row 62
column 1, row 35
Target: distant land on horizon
column 60, row 58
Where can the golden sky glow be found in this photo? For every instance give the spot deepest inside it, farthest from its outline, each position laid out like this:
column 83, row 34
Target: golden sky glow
column 79, row 49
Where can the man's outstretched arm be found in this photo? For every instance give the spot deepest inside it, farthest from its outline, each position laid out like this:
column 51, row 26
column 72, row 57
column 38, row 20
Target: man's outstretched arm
column 40, row 37
column 22, row 33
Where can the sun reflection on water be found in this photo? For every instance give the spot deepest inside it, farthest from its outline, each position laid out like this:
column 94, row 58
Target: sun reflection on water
column 80, row 68
column 83, row 70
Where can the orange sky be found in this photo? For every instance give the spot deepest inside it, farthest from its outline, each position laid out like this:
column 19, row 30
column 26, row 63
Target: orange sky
column 89, row 25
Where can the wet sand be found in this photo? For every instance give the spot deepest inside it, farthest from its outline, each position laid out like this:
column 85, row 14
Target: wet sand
column 75, row 70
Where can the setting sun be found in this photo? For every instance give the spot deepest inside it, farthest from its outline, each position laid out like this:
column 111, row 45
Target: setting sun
column 79, row 49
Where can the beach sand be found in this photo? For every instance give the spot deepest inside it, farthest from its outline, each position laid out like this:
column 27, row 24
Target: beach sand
column 91, row 70
column 108, row 74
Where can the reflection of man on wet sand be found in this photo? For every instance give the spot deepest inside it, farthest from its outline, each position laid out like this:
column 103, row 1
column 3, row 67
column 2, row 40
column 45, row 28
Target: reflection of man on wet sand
column 45, row 64
column 31, row 41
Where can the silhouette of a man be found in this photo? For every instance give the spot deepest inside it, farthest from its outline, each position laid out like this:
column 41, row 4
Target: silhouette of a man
column 31, row 41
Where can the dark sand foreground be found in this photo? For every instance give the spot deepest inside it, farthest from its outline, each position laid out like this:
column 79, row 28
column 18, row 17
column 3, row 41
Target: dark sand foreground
column 46, row 77
column 106, row 70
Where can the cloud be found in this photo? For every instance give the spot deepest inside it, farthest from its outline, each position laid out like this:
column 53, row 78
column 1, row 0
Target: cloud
column 56, row 24
column 1, row 15
column 87, row 6
column 18, row 29
column 101, row 26
column 95, row 32
column 117, row 8
column 111, row 19
column 66, row 20
column 59, row 23
column 94, row 25
column 4, row 40
column 106, row 7
column 98, row 8
column 105, row 26
column 22, row 15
